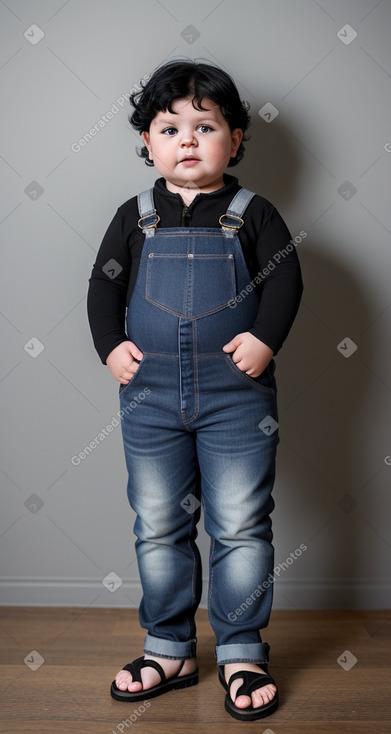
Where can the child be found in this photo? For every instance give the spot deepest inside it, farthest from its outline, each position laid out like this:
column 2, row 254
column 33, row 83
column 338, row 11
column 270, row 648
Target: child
column 212, row 291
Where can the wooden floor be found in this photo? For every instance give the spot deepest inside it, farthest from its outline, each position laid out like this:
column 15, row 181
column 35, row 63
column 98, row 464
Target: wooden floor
column 82, row 650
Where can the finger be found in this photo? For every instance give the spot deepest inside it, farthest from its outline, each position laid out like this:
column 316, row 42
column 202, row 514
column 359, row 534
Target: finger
column 238, row 357
column 129, row 371
column 241, row 360
column 127, row 376
column 251, row 373
column 232, row 345
column 242, row 366
column 135, row 352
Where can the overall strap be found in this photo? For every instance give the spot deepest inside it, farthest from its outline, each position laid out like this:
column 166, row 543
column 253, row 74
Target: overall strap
column 232, row 220
column 148, row 216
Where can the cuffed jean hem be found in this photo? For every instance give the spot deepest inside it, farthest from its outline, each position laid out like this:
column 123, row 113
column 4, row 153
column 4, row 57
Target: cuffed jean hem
column 243, row 653
column 169, row 648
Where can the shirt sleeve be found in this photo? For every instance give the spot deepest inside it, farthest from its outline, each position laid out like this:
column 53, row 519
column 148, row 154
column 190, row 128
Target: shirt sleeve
column 106, row 299
column 280, row 282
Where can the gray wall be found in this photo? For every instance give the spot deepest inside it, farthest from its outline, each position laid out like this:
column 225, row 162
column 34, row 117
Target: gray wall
column 323, row 161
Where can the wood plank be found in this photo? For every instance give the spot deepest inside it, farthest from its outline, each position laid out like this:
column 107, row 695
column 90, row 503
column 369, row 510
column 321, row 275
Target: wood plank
column 83, row 649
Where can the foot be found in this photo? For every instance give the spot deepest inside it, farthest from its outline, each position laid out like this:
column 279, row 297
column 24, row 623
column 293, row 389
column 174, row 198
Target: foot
column 150, row 677
column 259, row 697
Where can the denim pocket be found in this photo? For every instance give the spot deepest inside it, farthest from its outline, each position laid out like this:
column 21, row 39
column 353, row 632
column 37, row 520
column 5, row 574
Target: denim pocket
column 264, row 382
column 190, row 285
column 123, row 388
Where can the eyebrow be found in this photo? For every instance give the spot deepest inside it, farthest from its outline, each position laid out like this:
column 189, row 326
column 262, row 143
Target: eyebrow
column 172, row 121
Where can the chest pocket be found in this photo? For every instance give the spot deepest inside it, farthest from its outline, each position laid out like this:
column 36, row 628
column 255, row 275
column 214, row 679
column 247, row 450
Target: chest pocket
column 190, row 285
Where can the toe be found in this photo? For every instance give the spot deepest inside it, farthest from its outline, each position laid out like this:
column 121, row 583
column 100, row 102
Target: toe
column 122, row 680
column 263, row 695
column 258, row 698
column 242, row 702
column 134, row 686
column 122, row 685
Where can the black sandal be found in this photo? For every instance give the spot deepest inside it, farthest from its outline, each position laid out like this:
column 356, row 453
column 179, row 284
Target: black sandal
column 251, row 681
column 166, row 684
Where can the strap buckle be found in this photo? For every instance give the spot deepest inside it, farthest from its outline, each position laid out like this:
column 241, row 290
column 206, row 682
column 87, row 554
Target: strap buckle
column 150, row 220
column 226, row 221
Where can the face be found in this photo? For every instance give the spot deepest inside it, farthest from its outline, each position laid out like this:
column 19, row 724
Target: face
column 191, row 148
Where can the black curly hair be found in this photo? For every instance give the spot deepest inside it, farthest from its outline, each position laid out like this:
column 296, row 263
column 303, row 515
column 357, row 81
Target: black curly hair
column 179, row 79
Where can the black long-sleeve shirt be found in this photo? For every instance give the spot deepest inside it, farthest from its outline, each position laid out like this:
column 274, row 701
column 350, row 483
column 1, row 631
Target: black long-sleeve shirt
column 264, row 238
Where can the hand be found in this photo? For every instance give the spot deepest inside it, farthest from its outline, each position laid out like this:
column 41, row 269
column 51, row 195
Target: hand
column 121, row 361
column 249, row 354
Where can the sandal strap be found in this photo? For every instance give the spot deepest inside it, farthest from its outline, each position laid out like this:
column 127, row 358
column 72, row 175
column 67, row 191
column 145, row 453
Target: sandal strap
column 251, row 681
column 135, row 667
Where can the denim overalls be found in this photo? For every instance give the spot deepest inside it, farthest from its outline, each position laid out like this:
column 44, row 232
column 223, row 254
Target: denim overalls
column 193, row 435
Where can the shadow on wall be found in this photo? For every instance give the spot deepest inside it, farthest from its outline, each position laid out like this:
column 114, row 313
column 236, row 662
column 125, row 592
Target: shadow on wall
column 325, row 458
column 271, row 164
column 324, row 415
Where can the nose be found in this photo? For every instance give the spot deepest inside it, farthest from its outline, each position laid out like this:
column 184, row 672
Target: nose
column 188, row 138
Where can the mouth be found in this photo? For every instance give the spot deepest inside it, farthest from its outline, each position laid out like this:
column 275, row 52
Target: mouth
column 189, row 158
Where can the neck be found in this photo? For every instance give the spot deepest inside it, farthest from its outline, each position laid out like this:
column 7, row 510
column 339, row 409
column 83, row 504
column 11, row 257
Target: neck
column 190, row 190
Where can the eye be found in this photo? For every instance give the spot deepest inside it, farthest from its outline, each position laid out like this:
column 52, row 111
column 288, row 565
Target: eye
column 204, row 128
column 169, row 131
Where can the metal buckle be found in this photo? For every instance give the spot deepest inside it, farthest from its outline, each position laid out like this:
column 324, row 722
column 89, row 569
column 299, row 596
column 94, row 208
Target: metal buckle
column 155, row 219
column 230, row 226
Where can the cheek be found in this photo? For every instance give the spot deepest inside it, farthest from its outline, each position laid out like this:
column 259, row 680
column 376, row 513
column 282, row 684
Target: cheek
column 220, row 151
column 162, row 147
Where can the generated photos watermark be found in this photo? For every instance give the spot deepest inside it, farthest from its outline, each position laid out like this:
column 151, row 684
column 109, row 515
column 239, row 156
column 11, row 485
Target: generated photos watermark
column 126, row 723
column 347, row 660
column 233, row 616
column 114, row 423
column 34, row 660
column 108, row 116
column 261, row 275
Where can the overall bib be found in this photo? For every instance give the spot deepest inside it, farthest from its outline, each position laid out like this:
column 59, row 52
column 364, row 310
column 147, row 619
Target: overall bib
column 190, row 425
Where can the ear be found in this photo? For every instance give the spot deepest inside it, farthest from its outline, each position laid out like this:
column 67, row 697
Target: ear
column 146, row 140
column 236, row 139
